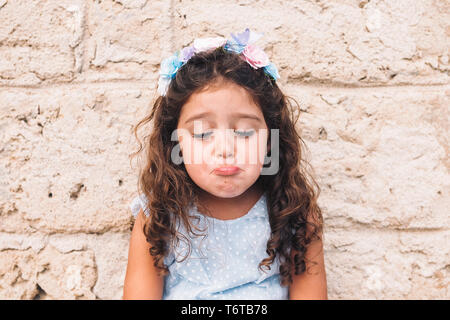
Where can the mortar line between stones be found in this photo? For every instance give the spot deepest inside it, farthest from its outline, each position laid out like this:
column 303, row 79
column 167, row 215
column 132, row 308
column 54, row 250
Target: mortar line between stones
column 145, row 83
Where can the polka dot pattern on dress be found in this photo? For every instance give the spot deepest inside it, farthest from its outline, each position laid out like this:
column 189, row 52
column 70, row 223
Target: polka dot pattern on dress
column 224, row 265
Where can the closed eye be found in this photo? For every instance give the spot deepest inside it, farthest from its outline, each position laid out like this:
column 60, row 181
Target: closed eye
column 202, row 136
column 205, row 135
column 245, row 133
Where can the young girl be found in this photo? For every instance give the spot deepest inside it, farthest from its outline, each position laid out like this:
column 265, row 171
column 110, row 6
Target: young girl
column 212, row 220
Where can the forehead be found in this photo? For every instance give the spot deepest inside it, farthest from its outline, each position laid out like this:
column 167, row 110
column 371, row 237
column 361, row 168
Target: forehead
column 221, row 101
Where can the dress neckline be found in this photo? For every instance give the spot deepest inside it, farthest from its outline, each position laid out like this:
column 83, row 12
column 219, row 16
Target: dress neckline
column 250, row 213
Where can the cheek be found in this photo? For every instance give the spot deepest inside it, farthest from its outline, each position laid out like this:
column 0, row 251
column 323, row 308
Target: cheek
column 252, row 151
column 194, row 151
column 199, row 173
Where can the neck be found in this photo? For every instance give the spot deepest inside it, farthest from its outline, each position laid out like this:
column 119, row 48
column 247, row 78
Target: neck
column 230, row 208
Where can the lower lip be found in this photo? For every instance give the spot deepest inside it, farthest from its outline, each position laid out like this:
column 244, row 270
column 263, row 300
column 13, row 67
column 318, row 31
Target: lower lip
column 226, row 171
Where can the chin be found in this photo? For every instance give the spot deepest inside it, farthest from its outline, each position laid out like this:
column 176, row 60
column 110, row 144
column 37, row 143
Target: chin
column 228, row 191
column 224, row 193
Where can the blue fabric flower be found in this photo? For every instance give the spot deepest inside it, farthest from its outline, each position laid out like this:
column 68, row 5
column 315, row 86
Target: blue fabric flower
column 168, row 70
column 239, row 41
column 234, row 47
column 272, row 71
column 170, row 66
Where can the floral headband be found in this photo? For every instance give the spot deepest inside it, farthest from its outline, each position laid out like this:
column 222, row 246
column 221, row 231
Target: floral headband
column 242, row 43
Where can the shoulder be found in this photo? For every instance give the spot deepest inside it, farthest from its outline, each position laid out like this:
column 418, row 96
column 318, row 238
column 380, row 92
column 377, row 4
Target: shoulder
column 142, row 280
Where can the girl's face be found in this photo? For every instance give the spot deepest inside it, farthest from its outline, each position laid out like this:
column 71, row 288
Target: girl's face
column 222, row 127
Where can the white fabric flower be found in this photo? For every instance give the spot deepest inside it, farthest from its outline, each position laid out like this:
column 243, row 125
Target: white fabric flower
column 204, row 44
column 163, row 85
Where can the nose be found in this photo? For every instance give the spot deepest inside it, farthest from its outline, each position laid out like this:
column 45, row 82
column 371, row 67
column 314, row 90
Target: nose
column 224, row 144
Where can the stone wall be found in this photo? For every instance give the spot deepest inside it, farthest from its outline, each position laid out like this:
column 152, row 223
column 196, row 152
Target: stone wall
column 372, row 79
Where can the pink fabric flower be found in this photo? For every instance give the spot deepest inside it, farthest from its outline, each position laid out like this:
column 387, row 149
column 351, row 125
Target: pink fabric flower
column 255, row 56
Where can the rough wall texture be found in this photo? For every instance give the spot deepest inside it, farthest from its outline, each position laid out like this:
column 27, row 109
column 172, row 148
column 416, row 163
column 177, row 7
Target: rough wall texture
column 372, row 78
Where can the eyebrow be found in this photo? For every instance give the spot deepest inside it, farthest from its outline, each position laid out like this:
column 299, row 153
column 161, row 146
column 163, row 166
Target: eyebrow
column 234, row 115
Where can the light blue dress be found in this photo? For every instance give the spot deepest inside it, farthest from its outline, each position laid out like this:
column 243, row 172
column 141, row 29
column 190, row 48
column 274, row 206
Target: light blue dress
column 224, row 264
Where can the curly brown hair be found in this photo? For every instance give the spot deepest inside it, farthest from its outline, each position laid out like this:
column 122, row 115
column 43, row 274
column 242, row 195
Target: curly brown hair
column 294, row 215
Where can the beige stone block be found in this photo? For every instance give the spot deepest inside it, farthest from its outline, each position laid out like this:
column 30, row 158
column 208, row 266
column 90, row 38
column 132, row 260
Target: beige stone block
column 21, row 241
column 18, row 274
column 63, row 266
column 387, row 264
column 380, row 154
column 65, row 154
column 66, row 276
column 352, row 43
column 41, row 41
column 126, row 39
column 111, row 255
column 46, row 274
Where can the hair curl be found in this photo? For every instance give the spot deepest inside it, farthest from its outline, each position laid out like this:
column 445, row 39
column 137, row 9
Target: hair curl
column 294, row 215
